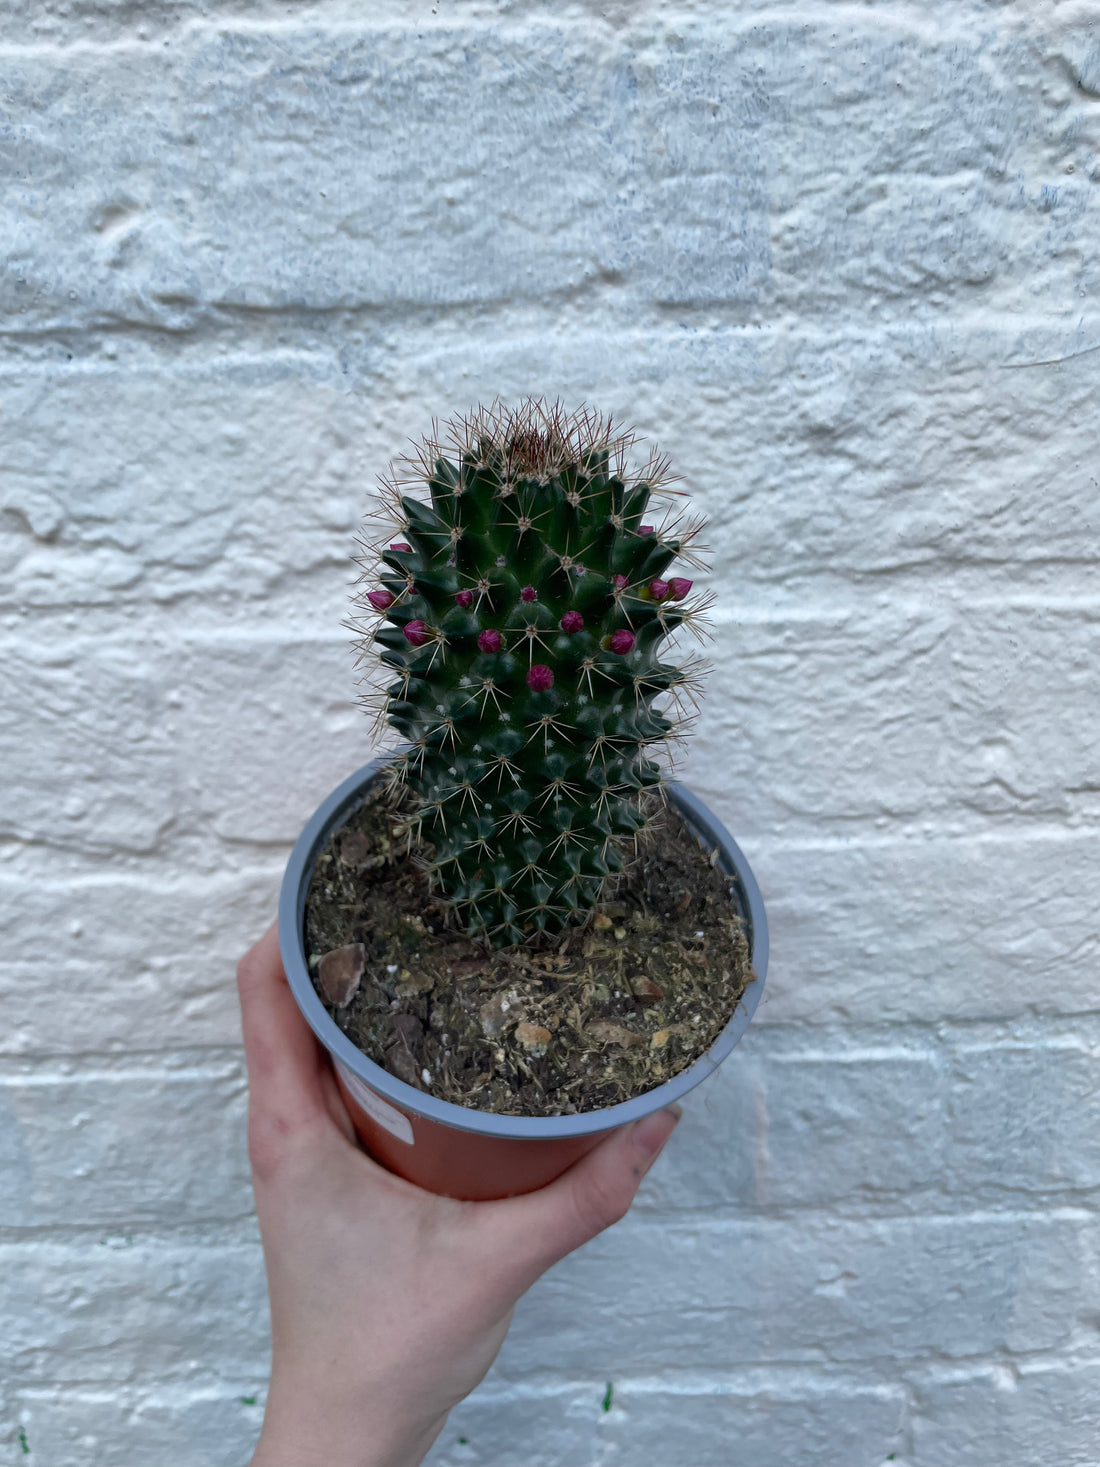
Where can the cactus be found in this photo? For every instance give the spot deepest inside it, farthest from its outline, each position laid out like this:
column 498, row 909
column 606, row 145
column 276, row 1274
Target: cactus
column 523, row 605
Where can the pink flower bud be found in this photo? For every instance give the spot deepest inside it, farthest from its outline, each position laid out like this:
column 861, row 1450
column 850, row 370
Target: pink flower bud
column 658, row 589
column 490, row 640
column 400, row 545
column 380, row 600
column 528, row 593
column 464, row 599
column 417, row 633
column 572, row 621
column 645, row 529
column 540, row 679
column 620, row 582
column 678, row 588
column 621, row 641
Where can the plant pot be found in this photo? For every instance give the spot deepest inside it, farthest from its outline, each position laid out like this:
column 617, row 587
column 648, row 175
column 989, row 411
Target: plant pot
column 452, row 1149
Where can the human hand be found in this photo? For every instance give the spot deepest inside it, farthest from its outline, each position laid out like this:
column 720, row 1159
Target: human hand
column 388, row 1304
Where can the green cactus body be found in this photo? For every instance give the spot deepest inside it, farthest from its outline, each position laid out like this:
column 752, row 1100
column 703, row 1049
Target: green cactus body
column 529, row 606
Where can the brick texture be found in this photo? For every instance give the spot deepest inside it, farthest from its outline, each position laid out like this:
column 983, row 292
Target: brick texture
column 838, row 261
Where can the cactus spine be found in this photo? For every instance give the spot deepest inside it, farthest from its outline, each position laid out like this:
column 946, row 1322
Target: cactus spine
column 523, row 607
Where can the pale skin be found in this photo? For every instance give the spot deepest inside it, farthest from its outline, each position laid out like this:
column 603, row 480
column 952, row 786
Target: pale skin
column 388, row 1304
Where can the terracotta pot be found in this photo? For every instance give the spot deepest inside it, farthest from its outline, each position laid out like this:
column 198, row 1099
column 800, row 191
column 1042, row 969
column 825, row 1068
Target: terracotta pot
column 452, row 1149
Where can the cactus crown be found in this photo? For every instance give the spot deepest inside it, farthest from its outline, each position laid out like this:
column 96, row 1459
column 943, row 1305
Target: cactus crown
column 523, row 608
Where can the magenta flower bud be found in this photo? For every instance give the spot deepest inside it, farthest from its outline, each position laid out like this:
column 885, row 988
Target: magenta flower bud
column 464, row 599
column 490, row 640
column 621, row 641
column 645, row 529
column 417, row 633
column 380, row 600
column 678, row 588
column 540, row 679
column 528, row 593
column 400, row 545
column 572, row 621
column 658, row 589
column 620, row 582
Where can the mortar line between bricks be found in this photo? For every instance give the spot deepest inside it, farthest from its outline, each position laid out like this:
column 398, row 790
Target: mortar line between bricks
column 512, row 320
column 113, row 1392
column 231, row 1232
column 159, row 618
column 723, row 617
column 1011, row 835
column 209, row 1231
column 849, row 1041
column 833, row 1043
column 533, row 25
column 876, row 1375
column 139, row 1065
column 650, row 321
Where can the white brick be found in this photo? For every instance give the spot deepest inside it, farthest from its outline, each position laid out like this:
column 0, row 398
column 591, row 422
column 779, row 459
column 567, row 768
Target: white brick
column 95, row 718
column 133, row 1310
column 928, row 927
column 649, row 1296
column 882, row 466
column 143, row 962
column 243, row 738
column 1023, row 1116
column 689, row 161
column 132, row 483
column 1046, row 1413
column 777, row 1126
column 148, row 1004
column 152, row 485
column 126, row 1143
column 936, row 719
column 214, row 1426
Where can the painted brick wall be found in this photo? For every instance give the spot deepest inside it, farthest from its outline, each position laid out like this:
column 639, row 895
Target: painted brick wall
column 841, row 261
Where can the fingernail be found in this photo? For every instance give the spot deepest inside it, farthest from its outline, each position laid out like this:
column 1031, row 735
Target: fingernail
column 651, row 1132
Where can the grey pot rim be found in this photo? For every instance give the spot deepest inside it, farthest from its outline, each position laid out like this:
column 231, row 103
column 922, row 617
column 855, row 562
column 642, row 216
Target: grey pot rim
column 291, row 925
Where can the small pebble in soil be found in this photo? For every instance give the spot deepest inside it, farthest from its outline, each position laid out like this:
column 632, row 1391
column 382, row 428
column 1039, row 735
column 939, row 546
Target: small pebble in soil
column 340, row 972
column 533, row 1037
column 645, row 990
column 498, row 1012
column 607, row 1032
column 355, row 848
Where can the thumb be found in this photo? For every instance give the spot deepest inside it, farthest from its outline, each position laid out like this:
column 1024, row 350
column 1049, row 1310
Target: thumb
column 594, row 1193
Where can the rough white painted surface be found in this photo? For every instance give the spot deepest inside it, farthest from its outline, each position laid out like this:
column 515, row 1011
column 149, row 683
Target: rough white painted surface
column 840, row 260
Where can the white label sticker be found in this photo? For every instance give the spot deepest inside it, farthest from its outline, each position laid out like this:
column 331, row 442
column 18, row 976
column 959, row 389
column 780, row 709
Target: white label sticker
column 387, row 1116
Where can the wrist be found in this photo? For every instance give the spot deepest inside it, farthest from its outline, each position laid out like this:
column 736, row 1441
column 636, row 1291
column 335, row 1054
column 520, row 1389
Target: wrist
column 299, row 1431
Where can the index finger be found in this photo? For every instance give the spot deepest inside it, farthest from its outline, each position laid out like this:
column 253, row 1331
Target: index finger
column 284, row 1059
